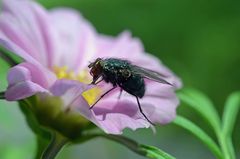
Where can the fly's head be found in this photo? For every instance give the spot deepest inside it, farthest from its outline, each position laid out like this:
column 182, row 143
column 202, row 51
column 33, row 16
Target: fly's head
column 96, row 69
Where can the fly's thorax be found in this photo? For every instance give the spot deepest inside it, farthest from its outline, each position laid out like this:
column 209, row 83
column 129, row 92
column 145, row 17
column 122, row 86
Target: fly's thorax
column 116, row 71
column 119, row 72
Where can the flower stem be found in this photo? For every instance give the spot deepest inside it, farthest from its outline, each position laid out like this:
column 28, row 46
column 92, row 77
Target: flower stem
column 55, row 146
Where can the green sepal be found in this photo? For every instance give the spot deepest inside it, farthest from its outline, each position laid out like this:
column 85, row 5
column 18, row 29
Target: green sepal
column 46, row 113
column 32, row 121
column 9, row 57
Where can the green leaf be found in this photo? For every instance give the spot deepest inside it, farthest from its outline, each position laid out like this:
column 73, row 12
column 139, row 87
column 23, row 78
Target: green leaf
column 200, row 134
column 200, row 103
column 229, row 117
column 230, row 113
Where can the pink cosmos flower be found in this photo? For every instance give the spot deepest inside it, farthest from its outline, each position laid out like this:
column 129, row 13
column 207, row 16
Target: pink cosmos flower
column 57, row 46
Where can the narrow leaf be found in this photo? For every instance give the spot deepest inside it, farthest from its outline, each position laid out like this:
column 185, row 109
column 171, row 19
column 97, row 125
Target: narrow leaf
column 229, row 117
column 200, row 103
column 200, row 134
column 230, row 113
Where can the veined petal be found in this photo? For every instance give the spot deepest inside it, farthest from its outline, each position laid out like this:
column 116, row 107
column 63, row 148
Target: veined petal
column 26, row 79
column 159, row 103
column 40, row 75
column 114, row 116
column 60, row 87
column 6, row 43
column 124, row 46
column 76, row 40
column 23, row 90
column 26, row 25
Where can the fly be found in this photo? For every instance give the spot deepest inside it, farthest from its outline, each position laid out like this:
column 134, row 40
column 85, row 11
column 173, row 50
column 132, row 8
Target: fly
column 121, row 73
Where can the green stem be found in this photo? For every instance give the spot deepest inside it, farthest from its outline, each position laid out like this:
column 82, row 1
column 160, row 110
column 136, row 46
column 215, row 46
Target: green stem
column 55, row 146
column 143, row 150
column 41, row 145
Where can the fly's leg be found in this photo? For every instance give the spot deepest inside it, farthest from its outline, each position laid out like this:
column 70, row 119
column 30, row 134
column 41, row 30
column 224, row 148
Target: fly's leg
column 139, row 106
column 96, row 82
column 120, row 94
column 103, row 96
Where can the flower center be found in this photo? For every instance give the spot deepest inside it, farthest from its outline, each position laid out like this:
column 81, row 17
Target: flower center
column 64, row 73
column 83, row 76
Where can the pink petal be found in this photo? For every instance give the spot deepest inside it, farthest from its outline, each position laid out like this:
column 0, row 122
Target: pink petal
column 124, row 46
column 60, row 87
column 23, row 90
column 18, row 74
column 76, row 40
column 115, row 116
column 26, row 79
column 159, row 103
column 40, row 75
column 26, row 27
column 5, row 42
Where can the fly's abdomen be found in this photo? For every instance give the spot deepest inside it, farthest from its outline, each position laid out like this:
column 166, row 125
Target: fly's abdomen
column 134, row 85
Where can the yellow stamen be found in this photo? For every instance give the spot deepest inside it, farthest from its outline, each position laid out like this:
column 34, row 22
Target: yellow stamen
column 83, row 76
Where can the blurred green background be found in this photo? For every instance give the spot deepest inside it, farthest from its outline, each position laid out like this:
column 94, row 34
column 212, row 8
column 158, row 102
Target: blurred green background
column 198, row 40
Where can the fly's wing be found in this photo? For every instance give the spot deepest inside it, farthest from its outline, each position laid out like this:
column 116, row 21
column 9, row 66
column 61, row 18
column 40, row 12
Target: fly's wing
column 149, row 74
